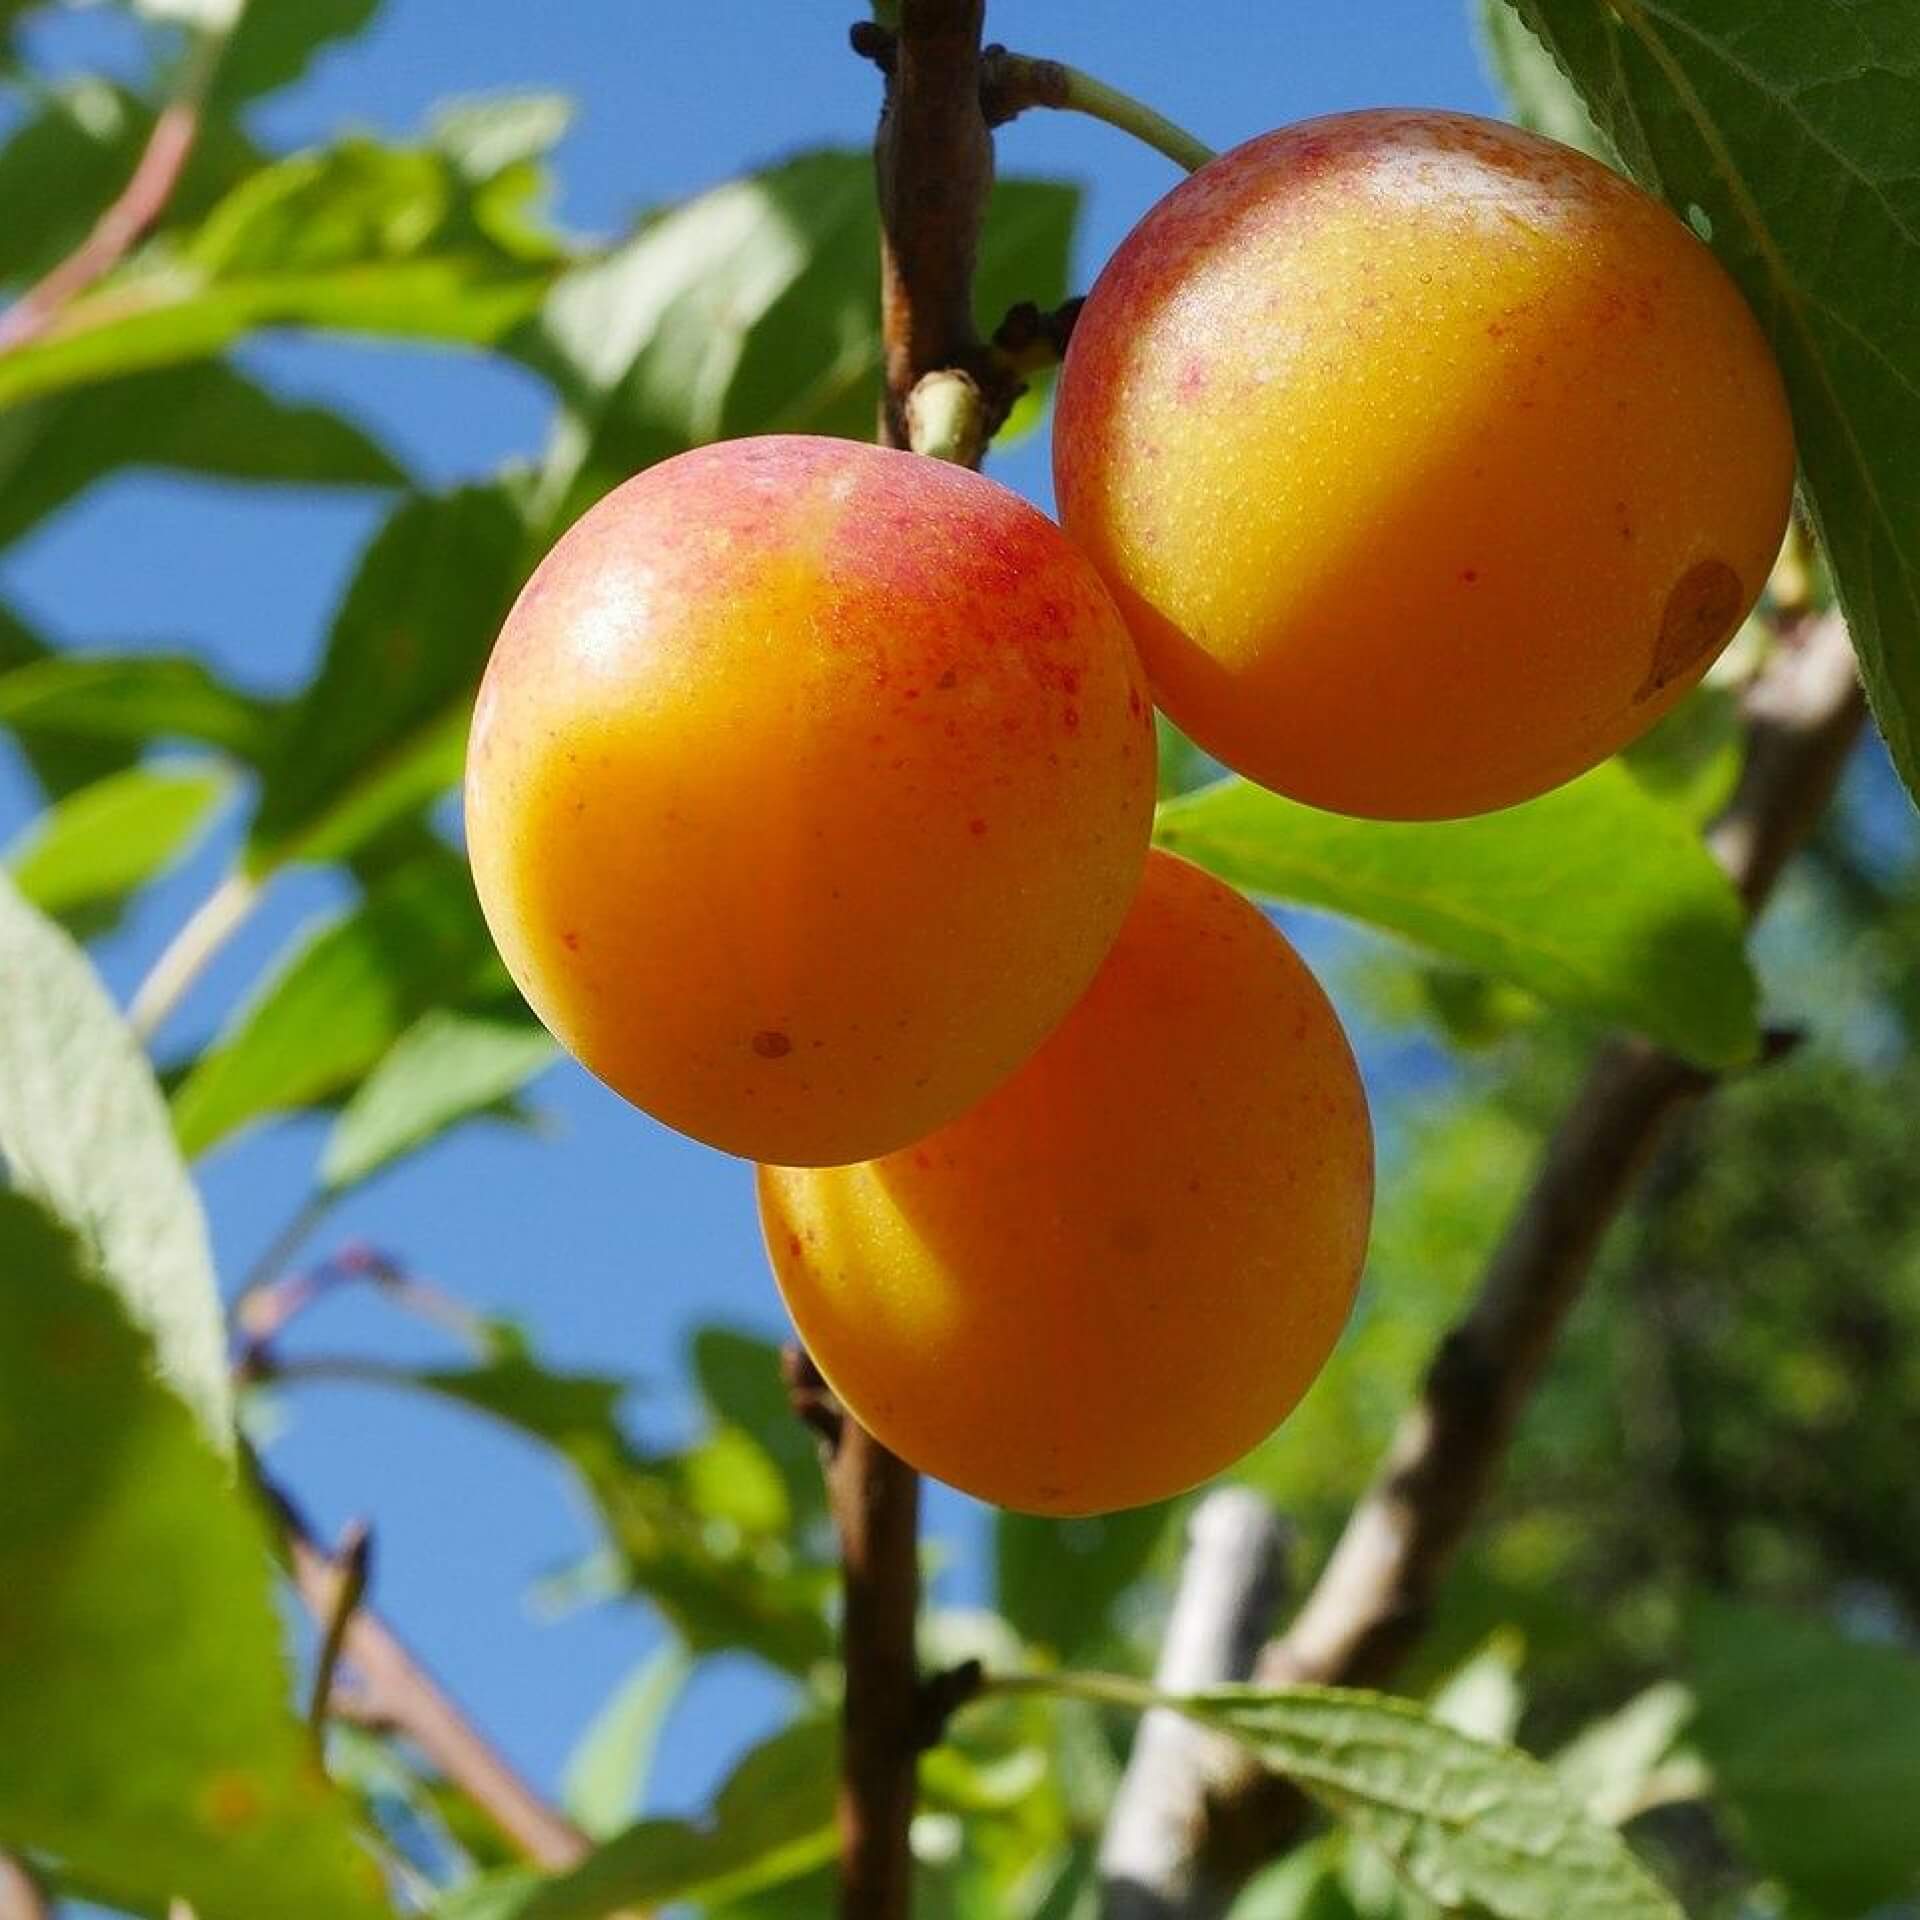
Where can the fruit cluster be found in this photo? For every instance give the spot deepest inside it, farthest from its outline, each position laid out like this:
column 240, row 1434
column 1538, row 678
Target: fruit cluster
column 1412, row 464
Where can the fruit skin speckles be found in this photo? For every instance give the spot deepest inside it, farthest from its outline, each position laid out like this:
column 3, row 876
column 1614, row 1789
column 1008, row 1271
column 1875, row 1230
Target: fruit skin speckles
column 1472, row 405
column 773, row 774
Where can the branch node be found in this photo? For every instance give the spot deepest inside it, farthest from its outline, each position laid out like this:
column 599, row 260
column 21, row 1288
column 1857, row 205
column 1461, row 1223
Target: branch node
column 1032, row 337
column 941, row 1695
column 812, row 1399
column 871, row 41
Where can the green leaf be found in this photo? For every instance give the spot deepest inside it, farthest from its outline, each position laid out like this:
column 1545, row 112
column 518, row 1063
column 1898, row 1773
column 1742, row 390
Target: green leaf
column 1538, row 94
column 275, row 43
column 487, row 134
column 606, row 1773
column 1058, row 1581
column 85, row 857
column 60, row 760
column 132, row 700
column 446, row 1068
column 395, row 241
column 145, row 1733
column 1610, row 1763
column 1469, row 1825
column 204, row 419
column 772, row 1822
column 66, row 164
column 675, row 1526
column 575, row 1412
column 1790, row 130
column 750, row 310
column 381, row 730
column 83, row 1128
column 1594, row 897
column 1691, row 759
column 741, row 1381
column 345, row 995
column 1814, row 1742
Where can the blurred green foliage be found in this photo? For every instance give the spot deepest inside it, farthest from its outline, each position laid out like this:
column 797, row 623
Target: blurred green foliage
column 1697, row 1585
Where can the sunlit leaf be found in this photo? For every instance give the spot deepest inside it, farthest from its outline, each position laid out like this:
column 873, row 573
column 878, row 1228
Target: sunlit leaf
column 146, row 1737
column 1595, row 897
column 345, row 994
column 83, row 859
column 446, row 1068
column 83, row 1128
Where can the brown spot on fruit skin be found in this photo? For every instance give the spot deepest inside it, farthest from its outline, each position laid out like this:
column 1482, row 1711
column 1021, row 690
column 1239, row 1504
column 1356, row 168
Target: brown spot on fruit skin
column 1700, row 614
column 771, row 1044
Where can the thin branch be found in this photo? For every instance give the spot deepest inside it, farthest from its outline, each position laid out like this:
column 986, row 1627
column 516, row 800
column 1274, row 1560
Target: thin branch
column 136, row 210
column 1013, row 82
column 1376, row 1592
column 1223, row 1607
column 395, row 1693
column 352, row 1563
column 21, row 1896
column 191, row 951
column 933, row 168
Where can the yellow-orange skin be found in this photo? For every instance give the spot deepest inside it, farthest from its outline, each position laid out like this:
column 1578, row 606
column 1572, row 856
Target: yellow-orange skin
column 1429, row 460
column 808, row 785
column 1125, row 1266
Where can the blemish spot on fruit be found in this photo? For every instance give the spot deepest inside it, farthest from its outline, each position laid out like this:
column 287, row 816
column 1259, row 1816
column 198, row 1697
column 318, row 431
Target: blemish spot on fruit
column 947, row 681
column 570, row 940
column 771, row 1044
column 1699, row 614
column 1072, row 718
column 976, row 826
column 1131, row 1235
column 793, row 1246
column 1469, row 575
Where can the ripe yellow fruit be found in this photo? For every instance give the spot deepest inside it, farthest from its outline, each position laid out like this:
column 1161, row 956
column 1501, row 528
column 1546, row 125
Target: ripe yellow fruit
column 1123, row 1267
column 808, row 785
column 1430, row 461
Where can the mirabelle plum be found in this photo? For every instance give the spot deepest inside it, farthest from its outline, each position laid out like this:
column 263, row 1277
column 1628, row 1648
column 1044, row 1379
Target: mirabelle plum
column 1124, row 1266
column 808, row 785
column 1430, row 461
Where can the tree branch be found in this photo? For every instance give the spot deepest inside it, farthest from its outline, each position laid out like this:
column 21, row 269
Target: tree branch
column 1229, row 1590
column 396, row 1694
column 1376, row 1592
column 933, row 167
column 133, row 213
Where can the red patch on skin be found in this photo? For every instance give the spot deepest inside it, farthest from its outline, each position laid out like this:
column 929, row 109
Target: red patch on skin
column 1193, row 378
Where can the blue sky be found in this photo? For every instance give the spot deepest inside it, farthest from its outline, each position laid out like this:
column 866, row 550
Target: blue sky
column 615, row 1239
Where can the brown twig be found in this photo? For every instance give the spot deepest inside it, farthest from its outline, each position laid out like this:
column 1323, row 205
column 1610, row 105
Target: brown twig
column 1376, row 1592
column 134, row 212
column 933, row 161
column 933, row 169
column 352, row 1566
column 396, row 1694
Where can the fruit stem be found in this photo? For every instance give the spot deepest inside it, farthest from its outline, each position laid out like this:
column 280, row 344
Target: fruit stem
column 1085, row 94
column 1013, row 82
